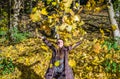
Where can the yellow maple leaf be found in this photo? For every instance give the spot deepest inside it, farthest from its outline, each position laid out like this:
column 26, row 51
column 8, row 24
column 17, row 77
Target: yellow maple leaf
column 44, row 12
column 34, row 9
column 50, row 17
column 44, row 48
column 76, row 18
column 81, row 23
column 54, row 3
column 69, row 28
column 96, row 60
column 97, row 48
column 114, row 27
column 57, row 63
column 63, row 26
column 77, row 4
column 72, row 63
column 88, row 4
column 36, row 16
column 97, row 9
column 75, row 33
column 71, row 12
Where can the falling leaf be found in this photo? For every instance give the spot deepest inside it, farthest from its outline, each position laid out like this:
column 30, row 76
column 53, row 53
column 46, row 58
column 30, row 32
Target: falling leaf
column 75, row 33
column 44, row 12
column 63, row 26
column 69, row 28
column 34, row 9
column 77, row 4
column 88, row 4
column 54, row 3
column 76, row 18
column 97, row 9
column 36, row 16
column 81, row 23
column 71, row 12
column 48, row 1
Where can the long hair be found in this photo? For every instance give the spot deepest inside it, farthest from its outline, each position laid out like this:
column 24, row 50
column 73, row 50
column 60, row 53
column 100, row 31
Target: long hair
column 59, row 50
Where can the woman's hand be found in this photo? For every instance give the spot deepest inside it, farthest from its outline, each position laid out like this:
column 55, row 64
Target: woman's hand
column 41, row 37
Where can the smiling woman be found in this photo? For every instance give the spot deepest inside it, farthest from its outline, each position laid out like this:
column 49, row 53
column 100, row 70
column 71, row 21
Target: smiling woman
column 59, row 67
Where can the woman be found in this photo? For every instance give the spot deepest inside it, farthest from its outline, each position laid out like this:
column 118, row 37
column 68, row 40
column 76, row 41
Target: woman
column 59, row 68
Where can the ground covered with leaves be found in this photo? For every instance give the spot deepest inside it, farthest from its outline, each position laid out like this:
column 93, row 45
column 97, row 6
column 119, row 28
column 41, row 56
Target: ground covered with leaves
column 98, row 56
column 97, row 59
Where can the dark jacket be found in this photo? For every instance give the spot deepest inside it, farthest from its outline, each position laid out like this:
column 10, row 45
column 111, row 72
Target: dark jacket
column 68, row 73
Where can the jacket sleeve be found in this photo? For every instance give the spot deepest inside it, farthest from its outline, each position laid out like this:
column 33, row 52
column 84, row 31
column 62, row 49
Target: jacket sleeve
column 51, row 46
column 74, row 45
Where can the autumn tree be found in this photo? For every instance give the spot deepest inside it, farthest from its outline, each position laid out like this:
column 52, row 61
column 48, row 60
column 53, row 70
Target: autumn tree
column 114, row 24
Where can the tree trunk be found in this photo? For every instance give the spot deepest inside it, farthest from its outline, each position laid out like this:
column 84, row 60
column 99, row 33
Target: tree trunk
column 16, row 9
column 9, row 20
column 116, row 31
column 9, row 14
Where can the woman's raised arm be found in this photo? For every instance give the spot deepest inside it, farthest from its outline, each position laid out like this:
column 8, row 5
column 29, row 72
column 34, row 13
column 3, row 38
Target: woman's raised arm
column 51, row 46
column 74, row 45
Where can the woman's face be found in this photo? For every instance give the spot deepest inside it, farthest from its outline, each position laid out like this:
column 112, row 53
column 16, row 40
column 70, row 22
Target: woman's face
column 60, row 43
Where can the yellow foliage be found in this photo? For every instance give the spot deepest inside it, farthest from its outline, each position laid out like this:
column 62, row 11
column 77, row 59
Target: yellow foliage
column 57, row 63
column 97, row 48
column 77, row 4
column 96, row 60
column 34, row 9
column 76, row 18
column 88, row 5
column 72, row 63
column 71, row 12
column 63, row 26
column 89, row 68
column 114, row 27
column 102, row 32
column 35, row 16
column 54, row 3
column 81, row 23
column 97, row 9
column 44, row 12
column 64, row 0
column 44, row 48
column 76, row 33
column 67, row 4
column 69, row 28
